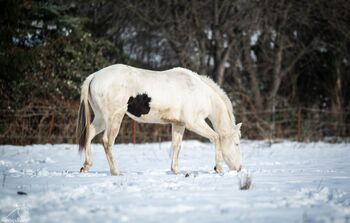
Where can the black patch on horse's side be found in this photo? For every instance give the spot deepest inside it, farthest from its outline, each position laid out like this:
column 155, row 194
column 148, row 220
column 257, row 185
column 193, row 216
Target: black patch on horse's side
column 139, row 105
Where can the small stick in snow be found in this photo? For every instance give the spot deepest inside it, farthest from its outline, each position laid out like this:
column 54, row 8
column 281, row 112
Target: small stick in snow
column 3, row 179
column 21, row 193
column 245, row 181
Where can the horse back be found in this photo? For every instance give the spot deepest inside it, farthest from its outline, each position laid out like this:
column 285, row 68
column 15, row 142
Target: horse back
column 152, row 96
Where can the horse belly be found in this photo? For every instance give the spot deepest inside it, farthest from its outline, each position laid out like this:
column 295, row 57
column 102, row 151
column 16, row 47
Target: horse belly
column 147, row 109
column 159, row 116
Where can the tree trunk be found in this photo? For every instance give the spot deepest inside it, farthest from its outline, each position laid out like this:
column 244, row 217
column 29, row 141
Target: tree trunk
column 337, row 104
column 250, row 66
column 220, row 68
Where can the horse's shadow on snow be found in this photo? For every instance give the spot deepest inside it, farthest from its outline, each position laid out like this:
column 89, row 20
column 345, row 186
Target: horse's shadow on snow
column 145, row 173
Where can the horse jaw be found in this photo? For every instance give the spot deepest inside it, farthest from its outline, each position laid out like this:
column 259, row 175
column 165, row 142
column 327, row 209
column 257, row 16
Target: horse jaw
column 231, row 152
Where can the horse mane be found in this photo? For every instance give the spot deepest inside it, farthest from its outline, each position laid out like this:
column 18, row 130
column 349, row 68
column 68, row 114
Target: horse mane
column 215, row 87
column 207, row 80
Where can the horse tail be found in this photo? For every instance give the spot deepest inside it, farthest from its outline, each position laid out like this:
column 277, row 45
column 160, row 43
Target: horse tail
column 84, row 115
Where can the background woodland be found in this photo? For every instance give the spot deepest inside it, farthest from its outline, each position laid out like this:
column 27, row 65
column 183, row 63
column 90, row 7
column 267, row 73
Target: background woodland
column 284, row 64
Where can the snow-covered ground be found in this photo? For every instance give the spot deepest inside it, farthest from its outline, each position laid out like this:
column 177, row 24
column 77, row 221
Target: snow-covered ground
column 292, row 182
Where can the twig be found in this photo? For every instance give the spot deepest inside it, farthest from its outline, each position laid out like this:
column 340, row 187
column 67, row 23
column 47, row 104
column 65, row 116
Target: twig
column 3, row 179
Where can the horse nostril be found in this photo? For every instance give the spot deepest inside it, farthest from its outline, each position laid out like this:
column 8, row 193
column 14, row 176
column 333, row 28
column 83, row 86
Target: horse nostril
column 239, row 168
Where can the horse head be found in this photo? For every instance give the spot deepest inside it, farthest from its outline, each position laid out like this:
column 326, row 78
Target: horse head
column 231, row 150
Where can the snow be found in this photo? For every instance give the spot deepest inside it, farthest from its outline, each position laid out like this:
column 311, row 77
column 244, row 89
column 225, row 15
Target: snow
column 291, row 182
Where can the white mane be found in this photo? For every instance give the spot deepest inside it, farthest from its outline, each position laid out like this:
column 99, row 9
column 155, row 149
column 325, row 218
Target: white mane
column 222, row 95
column 208, row 81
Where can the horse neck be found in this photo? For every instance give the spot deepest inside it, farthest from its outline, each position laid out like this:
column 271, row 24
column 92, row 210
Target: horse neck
column 220, row 118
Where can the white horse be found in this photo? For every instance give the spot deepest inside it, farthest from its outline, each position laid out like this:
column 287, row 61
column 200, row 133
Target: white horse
column 177, row 96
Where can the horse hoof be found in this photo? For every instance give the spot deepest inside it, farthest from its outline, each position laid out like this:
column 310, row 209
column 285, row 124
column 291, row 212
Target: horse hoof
column 84, row 170
column 175, row 171
column 217, row 170
column 115, row 173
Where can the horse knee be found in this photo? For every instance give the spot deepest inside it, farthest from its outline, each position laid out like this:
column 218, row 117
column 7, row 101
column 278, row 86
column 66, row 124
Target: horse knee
column 176, row 145
column 107, row 146
column 215, row 139
column 106, row 141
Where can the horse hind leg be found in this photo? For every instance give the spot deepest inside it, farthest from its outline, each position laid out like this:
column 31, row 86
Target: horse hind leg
column 108, row 139
column 96, row 127
column 177, row 134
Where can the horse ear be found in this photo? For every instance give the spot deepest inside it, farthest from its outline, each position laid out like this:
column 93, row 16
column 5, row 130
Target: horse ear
column 238, row 126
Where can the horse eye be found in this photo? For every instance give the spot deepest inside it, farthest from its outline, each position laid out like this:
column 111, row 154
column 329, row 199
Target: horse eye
column 237, row 144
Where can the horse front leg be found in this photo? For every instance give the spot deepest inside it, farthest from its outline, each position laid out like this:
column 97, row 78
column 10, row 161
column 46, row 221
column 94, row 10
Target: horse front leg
column 202, row 128
column 177, row 134
column 218, row 158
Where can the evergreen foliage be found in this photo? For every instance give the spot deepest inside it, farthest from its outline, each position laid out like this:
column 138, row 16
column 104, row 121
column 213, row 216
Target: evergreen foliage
column 47, row 51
